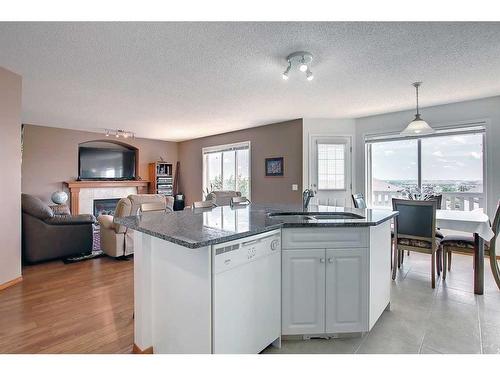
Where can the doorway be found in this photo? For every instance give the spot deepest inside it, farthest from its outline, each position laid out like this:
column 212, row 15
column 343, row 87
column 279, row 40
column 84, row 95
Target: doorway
column 330, row 170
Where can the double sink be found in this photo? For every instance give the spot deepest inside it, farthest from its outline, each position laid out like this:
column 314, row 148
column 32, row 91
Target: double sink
column 314, row 216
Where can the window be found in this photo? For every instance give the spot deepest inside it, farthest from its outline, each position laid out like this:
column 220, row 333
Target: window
column 449, row 162
column 331, row 166
column 227, row 167
column 453, row 164
column 394, row 169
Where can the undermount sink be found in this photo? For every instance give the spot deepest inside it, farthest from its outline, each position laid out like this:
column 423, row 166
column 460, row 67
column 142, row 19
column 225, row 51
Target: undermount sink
column 315, row 216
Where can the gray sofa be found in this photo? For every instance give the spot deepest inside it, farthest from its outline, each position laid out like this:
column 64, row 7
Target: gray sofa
column 47, row 236
column 222, row 197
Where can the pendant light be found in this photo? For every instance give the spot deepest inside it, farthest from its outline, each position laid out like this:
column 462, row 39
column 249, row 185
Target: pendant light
column 417, row 126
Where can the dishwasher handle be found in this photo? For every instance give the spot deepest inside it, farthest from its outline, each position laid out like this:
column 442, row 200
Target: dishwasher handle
column 252, row 242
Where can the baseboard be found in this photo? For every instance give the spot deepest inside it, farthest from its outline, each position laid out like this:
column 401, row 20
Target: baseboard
column 10, row 283
column 137, row 350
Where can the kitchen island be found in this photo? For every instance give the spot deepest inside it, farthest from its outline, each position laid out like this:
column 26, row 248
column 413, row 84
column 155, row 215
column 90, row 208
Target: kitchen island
column 321, row 272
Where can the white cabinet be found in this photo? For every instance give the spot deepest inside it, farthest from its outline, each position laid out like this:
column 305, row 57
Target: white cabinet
column 346, row 290
column 334, row 280
column 303, row 291
column 324, row 238
column 324, row 291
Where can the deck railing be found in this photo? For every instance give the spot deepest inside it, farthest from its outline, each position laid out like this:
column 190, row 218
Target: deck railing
column 463, row 201
column 459, row 201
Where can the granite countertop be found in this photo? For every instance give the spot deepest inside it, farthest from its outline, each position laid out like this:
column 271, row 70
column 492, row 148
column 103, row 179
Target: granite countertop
column 204, row 227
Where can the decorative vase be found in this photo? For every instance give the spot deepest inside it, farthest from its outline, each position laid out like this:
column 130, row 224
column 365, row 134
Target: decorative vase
column 59, row 197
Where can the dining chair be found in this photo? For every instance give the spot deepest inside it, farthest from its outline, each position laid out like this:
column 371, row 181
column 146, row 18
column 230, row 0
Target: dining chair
column 464, row 243
column 204, row 204
column 415, row 230
column 152, row 206
column 439, row 199
column 359, row 200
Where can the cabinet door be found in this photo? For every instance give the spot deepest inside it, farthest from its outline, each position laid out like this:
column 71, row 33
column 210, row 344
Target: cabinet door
column 303, row 291
column 346, row 290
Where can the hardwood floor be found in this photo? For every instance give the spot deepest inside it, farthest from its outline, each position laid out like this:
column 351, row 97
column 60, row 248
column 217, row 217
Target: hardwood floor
column 84, row 307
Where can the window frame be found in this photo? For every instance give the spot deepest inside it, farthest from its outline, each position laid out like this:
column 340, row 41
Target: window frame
column 333, row 141
column 224, row 148
column 465, row 128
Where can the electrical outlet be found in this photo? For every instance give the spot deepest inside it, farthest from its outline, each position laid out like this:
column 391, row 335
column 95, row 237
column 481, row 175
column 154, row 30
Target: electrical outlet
column 295, row 187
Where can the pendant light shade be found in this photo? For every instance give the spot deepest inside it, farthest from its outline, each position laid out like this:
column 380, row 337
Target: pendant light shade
column 417, row 126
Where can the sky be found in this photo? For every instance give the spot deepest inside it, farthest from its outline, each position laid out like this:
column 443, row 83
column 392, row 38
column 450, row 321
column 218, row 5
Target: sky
column 456, row 157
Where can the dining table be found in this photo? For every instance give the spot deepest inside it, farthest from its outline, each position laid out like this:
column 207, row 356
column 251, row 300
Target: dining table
column 476, row 222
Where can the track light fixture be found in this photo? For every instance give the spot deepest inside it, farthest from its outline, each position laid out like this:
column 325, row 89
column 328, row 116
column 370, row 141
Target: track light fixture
column 117, row 133
column 418, row 126
column 300, row 60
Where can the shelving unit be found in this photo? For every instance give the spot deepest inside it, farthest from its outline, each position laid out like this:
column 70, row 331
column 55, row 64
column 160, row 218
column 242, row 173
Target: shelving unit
column 162, row 179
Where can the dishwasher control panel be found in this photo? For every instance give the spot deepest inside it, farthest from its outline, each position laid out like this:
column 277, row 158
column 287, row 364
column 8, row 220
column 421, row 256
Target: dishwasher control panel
column 232, row 254
column 251, row 252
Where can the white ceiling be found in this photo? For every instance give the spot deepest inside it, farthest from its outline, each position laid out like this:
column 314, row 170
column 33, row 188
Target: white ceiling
column 177, row 81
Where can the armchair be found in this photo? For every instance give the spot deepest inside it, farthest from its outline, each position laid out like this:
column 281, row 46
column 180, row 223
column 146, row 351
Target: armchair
column 117, row 240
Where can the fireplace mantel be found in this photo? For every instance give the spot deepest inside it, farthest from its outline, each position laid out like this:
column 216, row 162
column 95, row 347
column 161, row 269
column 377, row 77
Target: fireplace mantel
column 75, row 186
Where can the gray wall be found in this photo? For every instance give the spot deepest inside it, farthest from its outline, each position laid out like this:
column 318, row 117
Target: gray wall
column 281, row 139
column 10, row 188
column 51, row 156
column 448, row 114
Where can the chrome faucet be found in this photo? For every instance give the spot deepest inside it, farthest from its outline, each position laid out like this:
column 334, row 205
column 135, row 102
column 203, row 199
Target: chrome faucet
column 306, row 197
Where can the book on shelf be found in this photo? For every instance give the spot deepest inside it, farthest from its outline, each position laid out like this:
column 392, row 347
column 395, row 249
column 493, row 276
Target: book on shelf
column 161, row 176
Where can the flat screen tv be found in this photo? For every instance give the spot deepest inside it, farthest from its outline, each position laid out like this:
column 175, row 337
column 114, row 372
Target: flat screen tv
column 103, row 163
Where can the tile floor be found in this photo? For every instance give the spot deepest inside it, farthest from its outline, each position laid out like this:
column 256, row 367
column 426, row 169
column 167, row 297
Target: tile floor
column 448, row 319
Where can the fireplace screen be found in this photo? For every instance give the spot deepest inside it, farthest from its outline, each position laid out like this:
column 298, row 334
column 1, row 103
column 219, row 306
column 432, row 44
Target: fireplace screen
column 105, row 206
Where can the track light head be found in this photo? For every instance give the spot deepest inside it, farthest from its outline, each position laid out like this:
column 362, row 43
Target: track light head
column 303, row 66
column 309, row 75
column 287, row 71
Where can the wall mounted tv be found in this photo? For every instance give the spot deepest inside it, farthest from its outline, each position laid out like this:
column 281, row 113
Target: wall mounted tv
column 106, row 161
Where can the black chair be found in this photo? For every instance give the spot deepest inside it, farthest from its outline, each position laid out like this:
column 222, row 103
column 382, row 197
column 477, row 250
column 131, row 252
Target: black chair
column 465, row 244
column 359, row 200
column 438, row 198
column 415, row 230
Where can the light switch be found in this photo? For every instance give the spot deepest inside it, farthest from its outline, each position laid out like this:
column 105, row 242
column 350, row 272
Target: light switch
column 295, row 187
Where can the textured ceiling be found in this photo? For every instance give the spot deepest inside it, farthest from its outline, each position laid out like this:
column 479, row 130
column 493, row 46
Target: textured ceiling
column 177, row 81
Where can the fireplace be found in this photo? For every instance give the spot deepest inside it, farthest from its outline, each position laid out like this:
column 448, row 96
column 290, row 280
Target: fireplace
column 105, row 206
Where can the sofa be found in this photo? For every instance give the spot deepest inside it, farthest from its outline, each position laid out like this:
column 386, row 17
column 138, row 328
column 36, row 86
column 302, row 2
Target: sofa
column 117, row 240
column 222, row 197
column 47, row 236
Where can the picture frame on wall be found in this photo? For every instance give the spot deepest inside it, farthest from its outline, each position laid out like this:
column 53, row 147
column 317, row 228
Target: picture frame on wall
column 275, row 167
